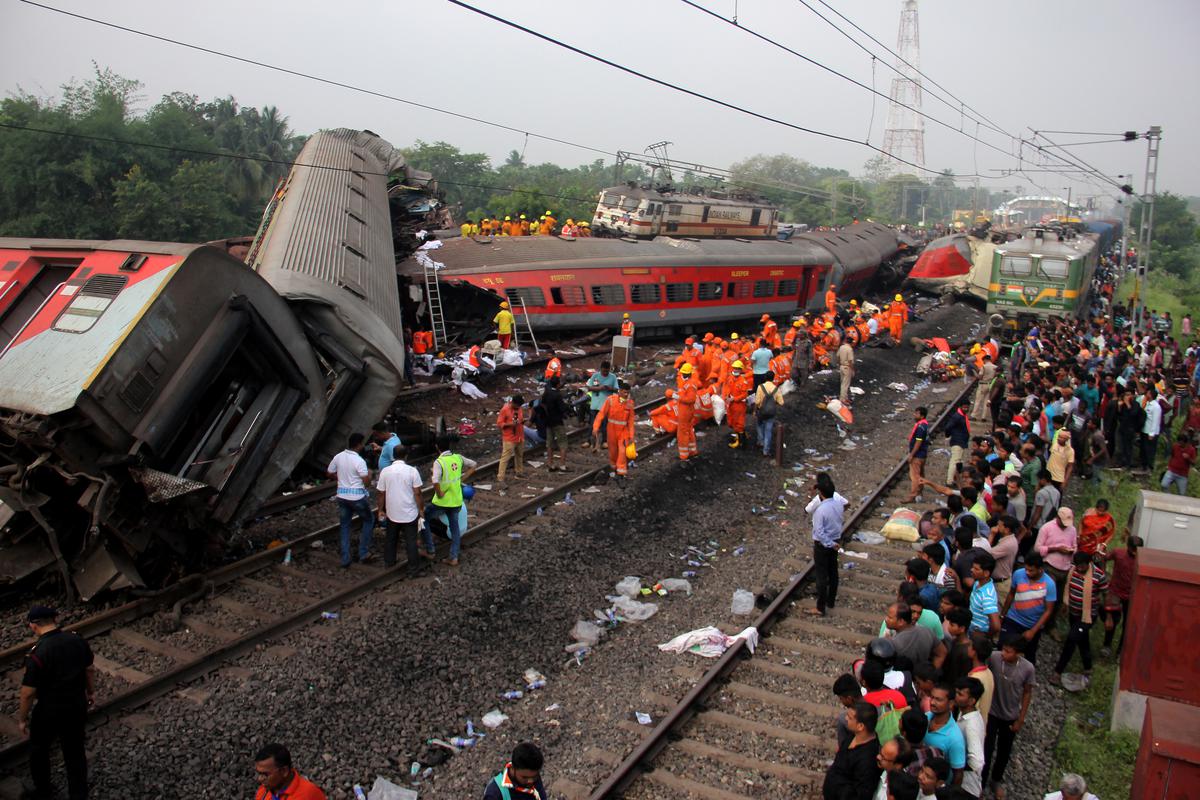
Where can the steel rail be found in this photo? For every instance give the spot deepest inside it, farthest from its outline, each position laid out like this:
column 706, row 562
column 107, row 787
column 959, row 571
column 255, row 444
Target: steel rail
column 642, row 757
column 17, row 753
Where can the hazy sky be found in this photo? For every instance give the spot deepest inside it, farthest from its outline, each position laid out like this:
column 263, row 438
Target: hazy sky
column 1073, row 65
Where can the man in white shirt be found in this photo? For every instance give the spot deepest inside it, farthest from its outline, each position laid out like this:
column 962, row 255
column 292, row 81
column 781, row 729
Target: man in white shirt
column 400, row 508
column 351, row 470
column 967, row 691
column 1151, row 428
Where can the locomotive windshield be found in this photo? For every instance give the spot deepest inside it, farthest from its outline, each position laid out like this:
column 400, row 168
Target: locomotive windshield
column 1053, row 267
column 1016, row 265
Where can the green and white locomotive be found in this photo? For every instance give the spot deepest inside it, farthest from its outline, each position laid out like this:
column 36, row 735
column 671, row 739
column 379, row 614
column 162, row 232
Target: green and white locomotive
column 1046, row 273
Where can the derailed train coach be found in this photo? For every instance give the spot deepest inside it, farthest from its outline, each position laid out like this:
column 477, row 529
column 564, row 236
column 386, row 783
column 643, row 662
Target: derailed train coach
column 153, row 395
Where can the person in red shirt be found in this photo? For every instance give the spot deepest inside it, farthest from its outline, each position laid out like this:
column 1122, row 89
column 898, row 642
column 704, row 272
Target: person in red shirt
column 511, row 422
column 278, row 779
column 1183, row 458
column 1120, row 586
column 879, row 695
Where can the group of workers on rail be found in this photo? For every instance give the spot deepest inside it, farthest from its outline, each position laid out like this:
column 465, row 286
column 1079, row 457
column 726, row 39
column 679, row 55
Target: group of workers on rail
column 522, row 225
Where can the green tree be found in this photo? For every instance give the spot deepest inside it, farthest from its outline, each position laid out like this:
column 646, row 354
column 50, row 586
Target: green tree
column 1173, row 243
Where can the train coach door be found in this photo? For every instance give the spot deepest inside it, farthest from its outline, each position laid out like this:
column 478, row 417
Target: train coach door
column 655, row 212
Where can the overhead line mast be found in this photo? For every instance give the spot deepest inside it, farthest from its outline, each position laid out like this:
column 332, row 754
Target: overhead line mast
column 904, row 137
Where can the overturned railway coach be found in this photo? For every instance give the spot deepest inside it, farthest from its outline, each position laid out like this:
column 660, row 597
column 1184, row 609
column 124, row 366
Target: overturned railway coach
column 558, row 283
column 152, row 394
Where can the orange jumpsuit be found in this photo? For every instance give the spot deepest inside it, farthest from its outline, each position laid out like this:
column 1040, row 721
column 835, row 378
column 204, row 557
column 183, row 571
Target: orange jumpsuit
column 770, row 332
column 737, row 389
column 554, row 369
column 524, row 228
column 705, row 362
column 704, row 398
column 789, row 338
column 664, row 418
column 619, row 414
column 685, row 434
column 778, row 372
column 864, row 331
column 831, row 301
column 897, row 316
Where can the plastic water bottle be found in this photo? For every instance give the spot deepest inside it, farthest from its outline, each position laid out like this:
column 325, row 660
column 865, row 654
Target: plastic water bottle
column 462, row 741
column 414, row 769
column 329, row 615
column 690, row 573
column 538, row 684
column 515, row 694
column 287, row 557
column 359, row 794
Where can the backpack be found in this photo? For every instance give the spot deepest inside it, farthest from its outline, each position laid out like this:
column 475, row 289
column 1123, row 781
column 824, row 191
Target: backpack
column 769, row 405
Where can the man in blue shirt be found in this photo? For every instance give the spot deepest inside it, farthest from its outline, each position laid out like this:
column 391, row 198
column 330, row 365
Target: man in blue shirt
column 985, row 605
column 385, row 440
column 943, row 732
column 760, row 360
column 827, row 537
column 600, row 385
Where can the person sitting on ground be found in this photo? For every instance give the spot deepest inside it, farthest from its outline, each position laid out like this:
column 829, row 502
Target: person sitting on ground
column 854, row 772
column 1071, row 787
column 521, row 778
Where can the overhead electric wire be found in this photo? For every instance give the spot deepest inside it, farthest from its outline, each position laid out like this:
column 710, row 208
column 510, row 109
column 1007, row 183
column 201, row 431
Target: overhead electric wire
column 309, row 76
column 1071, row 159
column 685, row 90
column 845, row 77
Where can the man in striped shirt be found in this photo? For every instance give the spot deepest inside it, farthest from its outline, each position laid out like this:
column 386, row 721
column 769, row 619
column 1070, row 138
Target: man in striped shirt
column 1086, row 584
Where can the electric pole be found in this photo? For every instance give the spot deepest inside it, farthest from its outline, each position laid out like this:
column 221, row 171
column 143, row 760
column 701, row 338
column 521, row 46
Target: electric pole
column 1153, row 139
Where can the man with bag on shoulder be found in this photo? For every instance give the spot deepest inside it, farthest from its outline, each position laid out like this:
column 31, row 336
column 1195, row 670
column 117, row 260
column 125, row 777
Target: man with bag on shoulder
column 767, row 401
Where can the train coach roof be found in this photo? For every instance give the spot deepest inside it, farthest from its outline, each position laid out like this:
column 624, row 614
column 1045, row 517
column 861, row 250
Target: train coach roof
column 641, row 193
column 332, row 226
column 115, row 245
column 517, row 253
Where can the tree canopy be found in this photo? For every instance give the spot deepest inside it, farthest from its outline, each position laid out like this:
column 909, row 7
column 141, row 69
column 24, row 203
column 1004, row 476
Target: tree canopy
column 1175, row 239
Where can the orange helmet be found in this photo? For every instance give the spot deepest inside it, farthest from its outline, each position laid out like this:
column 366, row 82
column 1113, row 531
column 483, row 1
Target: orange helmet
column 765, row 318
column 708, row 337
column 689, row 340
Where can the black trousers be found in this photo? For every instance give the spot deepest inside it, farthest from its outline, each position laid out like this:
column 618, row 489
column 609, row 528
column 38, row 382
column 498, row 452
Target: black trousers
column 825, row 562
column 410, row 543
column 997, row 748
column 67, row 726
column 1078, row 636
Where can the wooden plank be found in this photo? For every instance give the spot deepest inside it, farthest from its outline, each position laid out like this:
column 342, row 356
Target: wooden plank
column 734, row 722
column 686, row 786
column 826, row 631
column 606, row 757
column 796, row 775
column 211, row 631
column 315, row 578
column 263, row 587
column 840, row 655
column 243, row 609
column 886, row 581
column 866, row 593
column 141, row 642
column 127, row 674
column 781, row 700
column 789, row 672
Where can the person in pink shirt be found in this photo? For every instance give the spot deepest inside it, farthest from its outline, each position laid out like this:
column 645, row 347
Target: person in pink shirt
column 1057, row 541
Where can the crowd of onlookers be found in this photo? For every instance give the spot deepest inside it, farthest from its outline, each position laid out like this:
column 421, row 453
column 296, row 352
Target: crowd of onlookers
column 936, row 704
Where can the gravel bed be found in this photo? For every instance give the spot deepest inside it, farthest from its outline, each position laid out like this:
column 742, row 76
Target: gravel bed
column 125, row 656
column 359, row 696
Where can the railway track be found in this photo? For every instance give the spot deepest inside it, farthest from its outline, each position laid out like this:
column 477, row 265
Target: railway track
column 762, row 726
column 158, row 644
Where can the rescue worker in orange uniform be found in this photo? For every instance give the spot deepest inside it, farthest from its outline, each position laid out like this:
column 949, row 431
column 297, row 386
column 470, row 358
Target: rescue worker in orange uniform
column 831, row 299
column 585, row 229
column 664, row 419
column 770, row 331
column 737, row 390
column 704, row 399
column 897, row 315
column 626, row 325
column 548, row 225
column 789, row 338
column 704, row 364
column 523, row 226
column 554, row 367
column 618, row 412
column 506, row 228
column 685, row 434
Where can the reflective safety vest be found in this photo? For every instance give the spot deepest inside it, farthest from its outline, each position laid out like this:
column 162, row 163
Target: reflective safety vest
column 451, row 482
column 553, row 369
column 627, row 328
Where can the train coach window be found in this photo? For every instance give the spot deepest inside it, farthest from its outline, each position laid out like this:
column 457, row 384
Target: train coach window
column 1016, row 265
column 1054, row 267
column 570, row 295
column 738, row 289
column 93, row 298
column 645, row 293
column 610, row 295
column 610, row 200
column 674, row 209
column 679, row 292
column 531, row 295
column 764, row 288
column 789, row 287
column 710, row 290
column 672, row 227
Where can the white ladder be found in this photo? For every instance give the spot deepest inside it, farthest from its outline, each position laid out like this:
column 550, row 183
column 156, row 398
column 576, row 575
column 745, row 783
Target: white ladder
column 437, row 322
column 528, row 325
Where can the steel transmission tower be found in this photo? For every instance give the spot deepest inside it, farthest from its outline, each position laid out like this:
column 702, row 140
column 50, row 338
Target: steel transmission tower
column 904, row 137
